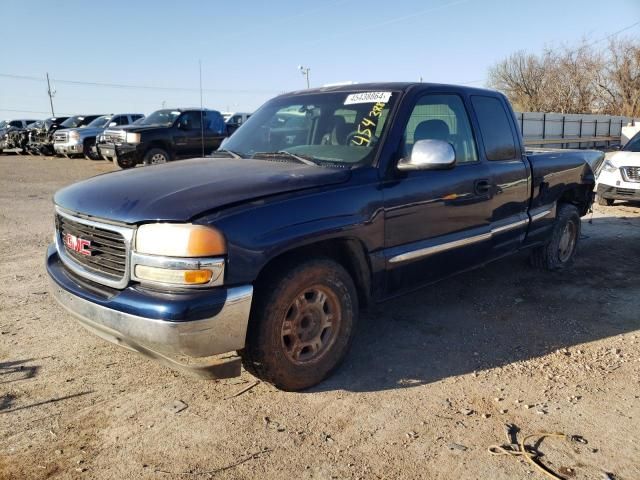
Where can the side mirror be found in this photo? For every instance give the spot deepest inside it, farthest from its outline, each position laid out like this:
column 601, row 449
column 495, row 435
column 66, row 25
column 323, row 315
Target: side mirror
column 113, row 124
column 429, row 155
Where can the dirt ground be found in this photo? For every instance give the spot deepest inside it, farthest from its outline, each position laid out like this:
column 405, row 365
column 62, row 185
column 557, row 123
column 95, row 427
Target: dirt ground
column 429, row 385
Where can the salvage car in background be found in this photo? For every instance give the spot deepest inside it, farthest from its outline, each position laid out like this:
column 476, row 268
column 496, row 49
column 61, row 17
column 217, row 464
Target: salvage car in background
column 17, row 138
column 81, row 140
column 7, row 126
column 165, row 135
column 40, row 136
column 323, row 201
column 619, row 177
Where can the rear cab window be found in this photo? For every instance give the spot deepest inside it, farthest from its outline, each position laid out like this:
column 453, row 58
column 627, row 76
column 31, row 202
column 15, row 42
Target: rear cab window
column 495, row 128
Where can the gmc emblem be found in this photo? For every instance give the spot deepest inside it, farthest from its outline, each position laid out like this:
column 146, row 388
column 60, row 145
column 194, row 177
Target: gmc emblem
column 77, row 244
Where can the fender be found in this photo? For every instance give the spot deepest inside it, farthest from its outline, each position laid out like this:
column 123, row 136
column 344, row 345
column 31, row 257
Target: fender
column 273, row 227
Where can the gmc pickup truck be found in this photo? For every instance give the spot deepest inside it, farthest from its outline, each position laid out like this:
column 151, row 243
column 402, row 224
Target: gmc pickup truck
column 82, row 140
column 264, row 254
column 163, row 136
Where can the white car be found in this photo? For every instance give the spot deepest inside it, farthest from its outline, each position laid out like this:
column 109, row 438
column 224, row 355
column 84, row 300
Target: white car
column 619, row 177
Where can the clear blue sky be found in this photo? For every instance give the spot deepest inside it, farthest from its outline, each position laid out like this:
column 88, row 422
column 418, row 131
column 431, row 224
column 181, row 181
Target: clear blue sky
column 250, row 49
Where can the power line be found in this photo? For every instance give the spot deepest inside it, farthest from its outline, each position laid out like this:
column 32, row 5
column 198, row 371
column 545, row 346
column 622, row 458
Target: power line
column 136, row 87
column 29, row 111
column 390, row 21
column 629, row 27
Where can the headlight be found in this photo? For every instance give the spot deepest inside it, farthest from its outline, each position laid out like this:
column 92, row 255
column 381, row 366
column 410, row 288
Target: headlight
column 607, row 166
column 73, row 135
column 132, row 137
column 179, row 240
column 179, row 254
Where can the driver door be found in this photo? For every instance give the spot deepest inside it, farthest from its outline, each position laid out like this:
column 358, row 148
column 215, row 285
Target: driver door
column 188, row 135
column 437, row 222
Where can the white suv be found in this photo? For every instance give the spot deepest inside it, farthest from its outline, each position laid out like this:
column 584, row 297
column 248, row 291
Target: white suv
column 619, row 177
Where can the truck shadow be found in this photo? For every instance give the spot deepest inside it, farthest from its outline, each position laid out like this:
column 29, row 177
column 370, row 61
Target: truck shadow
column 503, row 313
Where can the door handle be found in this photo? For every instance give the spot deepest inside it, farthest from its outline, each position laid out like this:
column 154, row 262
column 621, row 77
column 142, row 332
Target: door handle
column 482, row 187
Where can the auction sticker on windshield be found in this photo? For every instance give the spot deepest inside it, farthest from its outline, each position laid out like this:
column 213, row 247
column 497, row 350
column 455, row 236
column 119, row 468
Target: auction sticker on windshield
column 367, row 97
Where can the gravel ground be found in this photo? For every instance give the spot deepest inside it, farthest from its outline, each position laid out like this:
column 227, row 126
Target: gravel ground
column 429, row 385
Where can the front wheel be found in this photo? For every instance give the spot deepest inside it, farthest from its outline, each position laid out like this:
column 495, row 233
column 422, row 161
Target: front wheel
column 605, row 202
column 302, row 324
column 124, row 162
column 560, row 251
column 86, row 150
column 156, row 156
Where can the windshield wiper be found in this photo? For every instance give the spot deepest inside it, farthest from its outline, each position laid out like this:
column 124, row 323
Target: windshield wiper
column 306, row 159
column 231, row 153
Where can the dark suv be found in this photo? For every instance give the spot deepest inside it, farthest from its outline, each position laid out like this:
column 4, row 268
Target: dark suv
column 164, row 135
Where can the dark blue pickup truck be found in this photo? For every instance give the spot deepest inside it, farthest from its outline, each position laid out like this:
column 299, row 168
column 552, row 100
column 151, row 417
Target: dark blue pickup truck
column 322, row 202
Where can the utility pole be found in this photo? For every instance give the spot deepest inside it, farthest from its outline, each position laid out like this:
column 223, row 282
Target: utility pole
column 305, row 71
column 51, row 93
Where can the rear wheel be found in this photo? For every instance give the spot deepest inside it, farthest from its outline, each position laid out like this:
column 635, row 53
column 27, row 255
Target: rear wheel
column 302, row 324
column 156, row 156
column 560, row 251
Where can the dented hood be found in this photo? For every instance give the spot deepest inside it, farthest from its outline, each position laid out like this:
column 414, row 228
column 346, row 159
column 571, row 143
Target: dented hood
column 180, row 191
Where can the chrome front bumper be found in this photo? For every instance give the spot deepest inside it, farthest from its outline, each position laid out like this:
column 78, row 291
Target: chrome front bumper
column 68, row 147
column 176, row 341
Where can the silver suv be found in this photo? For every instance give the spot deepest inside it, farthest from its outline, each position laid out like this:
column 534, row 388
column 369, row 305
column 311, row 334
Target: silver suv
column 81, row 140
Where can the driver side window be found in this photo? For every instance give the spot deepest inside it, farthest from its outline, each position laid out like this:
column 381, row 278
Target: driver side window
column 441, row 117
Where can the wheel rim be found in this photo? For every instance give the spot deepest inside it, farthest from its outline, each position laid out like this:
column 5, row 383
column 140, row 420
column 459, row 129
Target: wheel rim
column 567, row 241
column 310, row 325
column 158, row 158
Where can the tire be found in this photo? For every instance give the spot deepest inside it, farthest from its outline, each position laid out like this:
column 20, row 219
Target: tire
column 560, row 251
column 605, row 202
column 86, row 150
column 124, row 162
column 156, row 156
column 288, row 341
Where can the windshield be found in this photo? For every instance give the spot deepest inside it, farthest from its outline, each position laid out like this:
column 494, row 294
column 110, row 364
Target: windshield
column 337, row 127
column 633, row 145
column 72, row 122
column 161, row 117
column 100, row 122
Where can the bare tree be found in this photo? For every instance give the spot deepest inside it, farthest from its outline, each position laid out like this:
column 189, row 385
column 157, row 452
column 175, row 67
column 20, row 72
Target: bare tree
column 573, row 80
column 619, row 81
column 522, row 78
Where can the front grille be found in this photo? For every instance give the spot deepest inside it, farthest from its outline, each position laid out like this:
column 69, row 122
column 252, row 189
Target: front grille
column 114, row 136
column 60, row 137
column 631, row 174
column 625, row 192
column 107, row 249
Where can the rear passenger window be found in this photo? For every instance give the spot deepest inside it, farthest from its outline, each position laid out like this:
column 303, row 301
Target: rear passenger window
column 214, row 122
column 495, row 128
column 441, row 117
